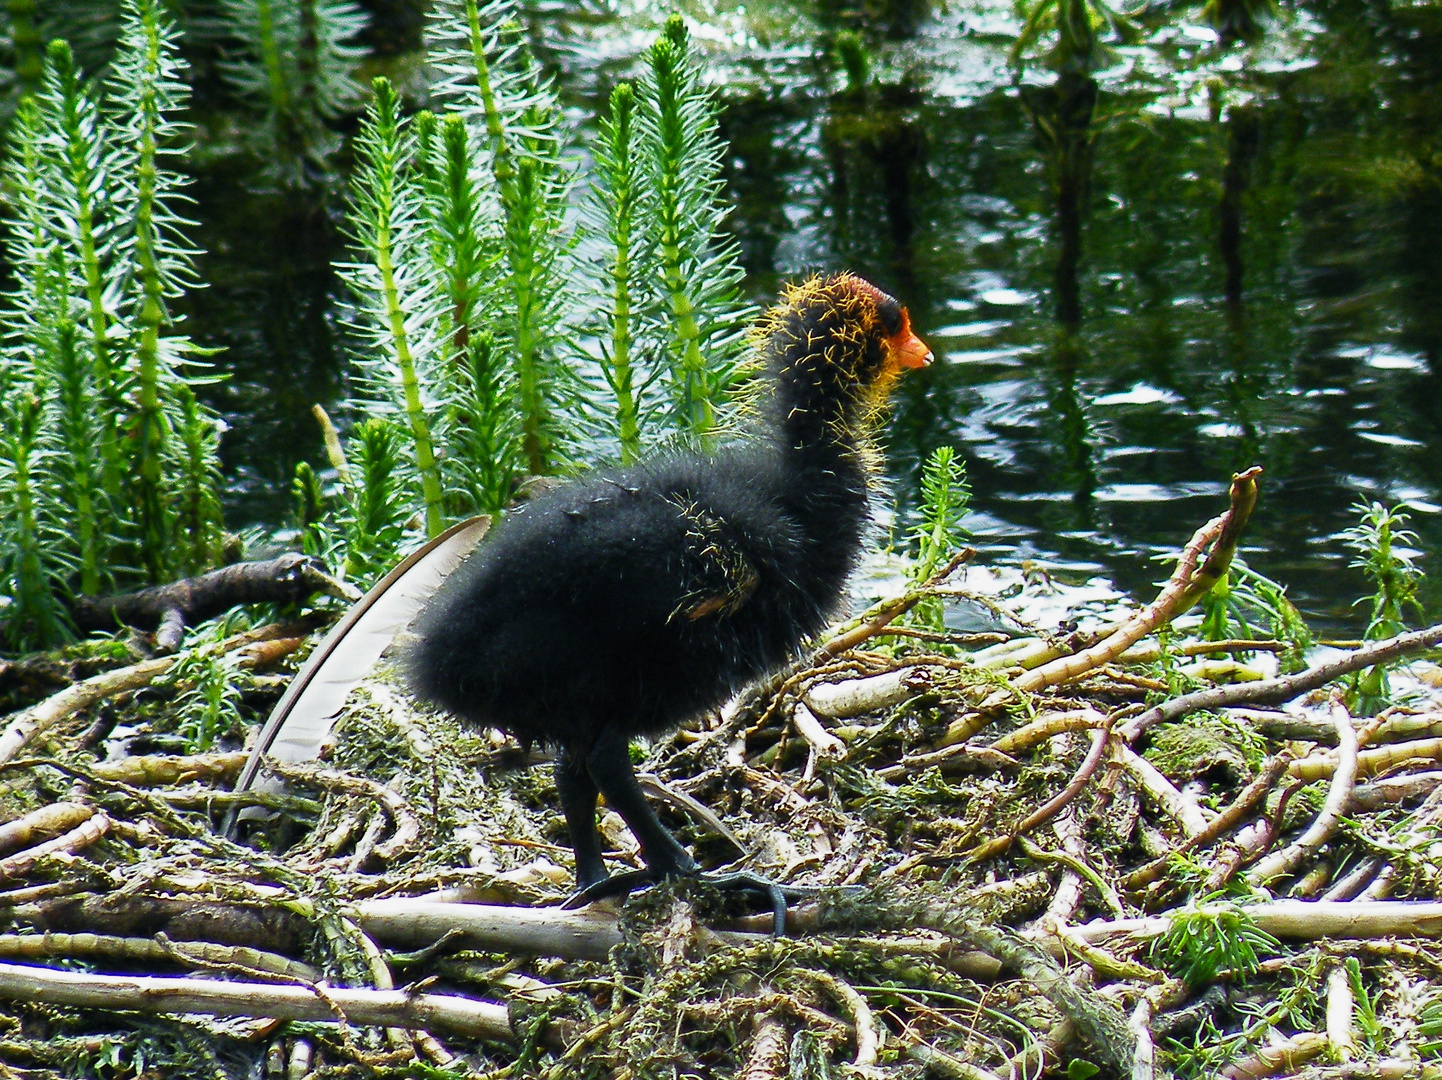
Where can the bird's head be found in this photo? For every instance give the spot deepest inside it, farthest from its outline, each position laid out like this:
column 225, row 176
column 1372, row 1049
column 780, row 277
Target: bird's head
column 836, row 346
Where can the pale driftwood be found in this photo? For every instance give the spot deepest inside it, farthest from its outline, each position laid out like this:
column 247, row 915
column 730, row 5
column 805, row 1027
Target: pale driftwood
column 1369, row 762
column 1144, row 1061
column 1223, row 823
column 1183, row 810
column 852, row 697
column 1338, row 796
column 769, row 1056
column 939, row 1062
column 654, row 785
column 1395, row 789
column 1340, row 1004
column 974, row 758
column 1276, row 691
column 1300, row 920
column 1281, row 1058
column 1045, row 727
column 1148, row 652
column 827, row 746
column 207, row 954
column 875, row 620
column 407, row 827
column 46, row 821
column 589, row 934
column 155, row 770
column 83, row 835
column 381, row 1008
column 855, row 1005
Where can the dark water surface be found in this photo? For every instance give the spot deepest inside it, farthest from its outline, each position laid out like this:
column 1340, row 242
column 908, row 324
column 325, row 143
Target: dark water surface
column 1203, row 259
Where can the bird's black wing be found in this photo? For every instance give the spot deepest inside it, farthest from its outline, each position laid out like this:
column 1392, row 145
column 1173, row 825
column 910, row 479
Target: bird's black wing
column 719, row 576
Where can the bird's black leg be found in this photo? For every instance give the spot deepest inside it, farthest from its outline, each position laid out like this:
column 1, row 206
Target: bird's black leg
column 609, row 763
column 578, row 802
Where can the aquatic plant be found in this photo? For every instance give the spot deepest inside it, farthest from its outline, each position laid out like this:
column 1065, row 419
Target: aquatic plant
column 397, row 311
column 375, row 507
column 107, row 446
column 1077, row 28
column 613, row 204
column 1240, row 20
column 945, row 495
column 700, row 270
column 33, row 561
column 499, row 327
column 493, row 83
column 292, row 61
column 1385, row 556
column 1213, row 937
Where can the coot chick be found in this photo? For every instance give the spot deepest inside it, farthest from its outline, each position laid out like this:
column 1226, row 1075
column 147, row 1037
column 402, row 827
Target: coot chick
column 633, row 599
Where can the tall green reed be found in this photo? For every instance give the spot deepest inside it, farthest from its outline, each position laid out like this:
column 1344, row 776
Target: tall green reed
column 108, row 456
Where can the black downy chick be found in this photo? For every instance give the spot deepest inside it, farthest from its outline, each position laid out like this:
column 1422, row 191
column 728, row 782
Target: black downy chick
column 631, row 600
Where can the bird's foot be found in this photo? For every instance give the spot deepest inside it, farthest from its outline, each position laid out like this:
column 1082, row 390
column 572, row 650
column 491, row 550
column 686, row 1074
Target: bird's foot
column 779, row 896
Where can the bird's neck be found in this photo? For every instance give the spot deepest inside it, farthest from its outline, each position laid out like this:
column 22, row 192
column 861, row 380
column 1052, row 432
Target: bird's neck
column 828, row 453
column 819, row 423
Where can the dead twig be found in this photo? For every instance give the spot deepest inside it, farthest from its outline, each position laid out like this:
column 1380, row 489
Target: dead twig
column 1051, row 808
column 1187, row 585
column 770, row 1054
column 1181, row 809
column 1340, row 793
column 29, row 723
column 83, row 835
column 1277, row 691
column 1223, row 823
column 407, row 827
column 46, row 821
column 881, row 615
column 856, row 1007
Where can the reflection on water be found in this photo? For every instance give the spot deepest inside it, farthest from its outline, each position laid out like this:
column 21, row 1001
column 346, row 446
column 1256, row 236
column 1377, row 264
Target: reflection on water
column 1135, row 283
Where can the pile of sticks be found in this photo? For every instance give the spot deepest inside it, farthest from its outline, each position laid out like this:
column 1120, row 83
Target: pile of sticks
column 1037, row 880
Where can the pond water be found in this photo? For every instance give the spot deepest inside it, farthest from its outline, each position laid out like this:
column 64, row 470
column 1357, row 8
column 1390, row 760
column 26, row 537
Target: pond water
column 1201, row 260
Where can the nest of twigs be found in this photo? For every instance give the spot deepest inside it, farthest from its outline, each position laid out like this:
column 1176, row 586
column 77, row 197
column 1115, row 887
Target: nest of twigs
column 1067, row 856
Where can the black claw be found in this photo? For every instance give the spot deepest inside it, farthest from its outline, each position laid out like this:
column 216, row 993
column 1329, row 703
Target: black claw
column 615, row 885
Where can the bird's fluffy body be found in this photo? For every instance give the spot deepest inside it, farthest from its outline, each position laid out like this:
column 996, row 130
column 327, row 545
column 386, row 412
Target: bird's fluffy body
column 640, row 597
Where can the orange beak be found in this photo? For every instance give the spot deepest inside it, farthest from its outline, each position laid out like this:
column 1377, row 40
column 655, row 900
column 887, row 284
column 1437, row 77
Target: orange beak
column 908, row 350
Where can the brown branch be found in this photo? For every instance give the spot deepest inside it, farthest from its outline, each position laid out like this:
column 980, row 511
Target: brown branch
column 1053, row 807
column 286, row 579
column 1223, row 823
column 1186, row 586
column 881, row 615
